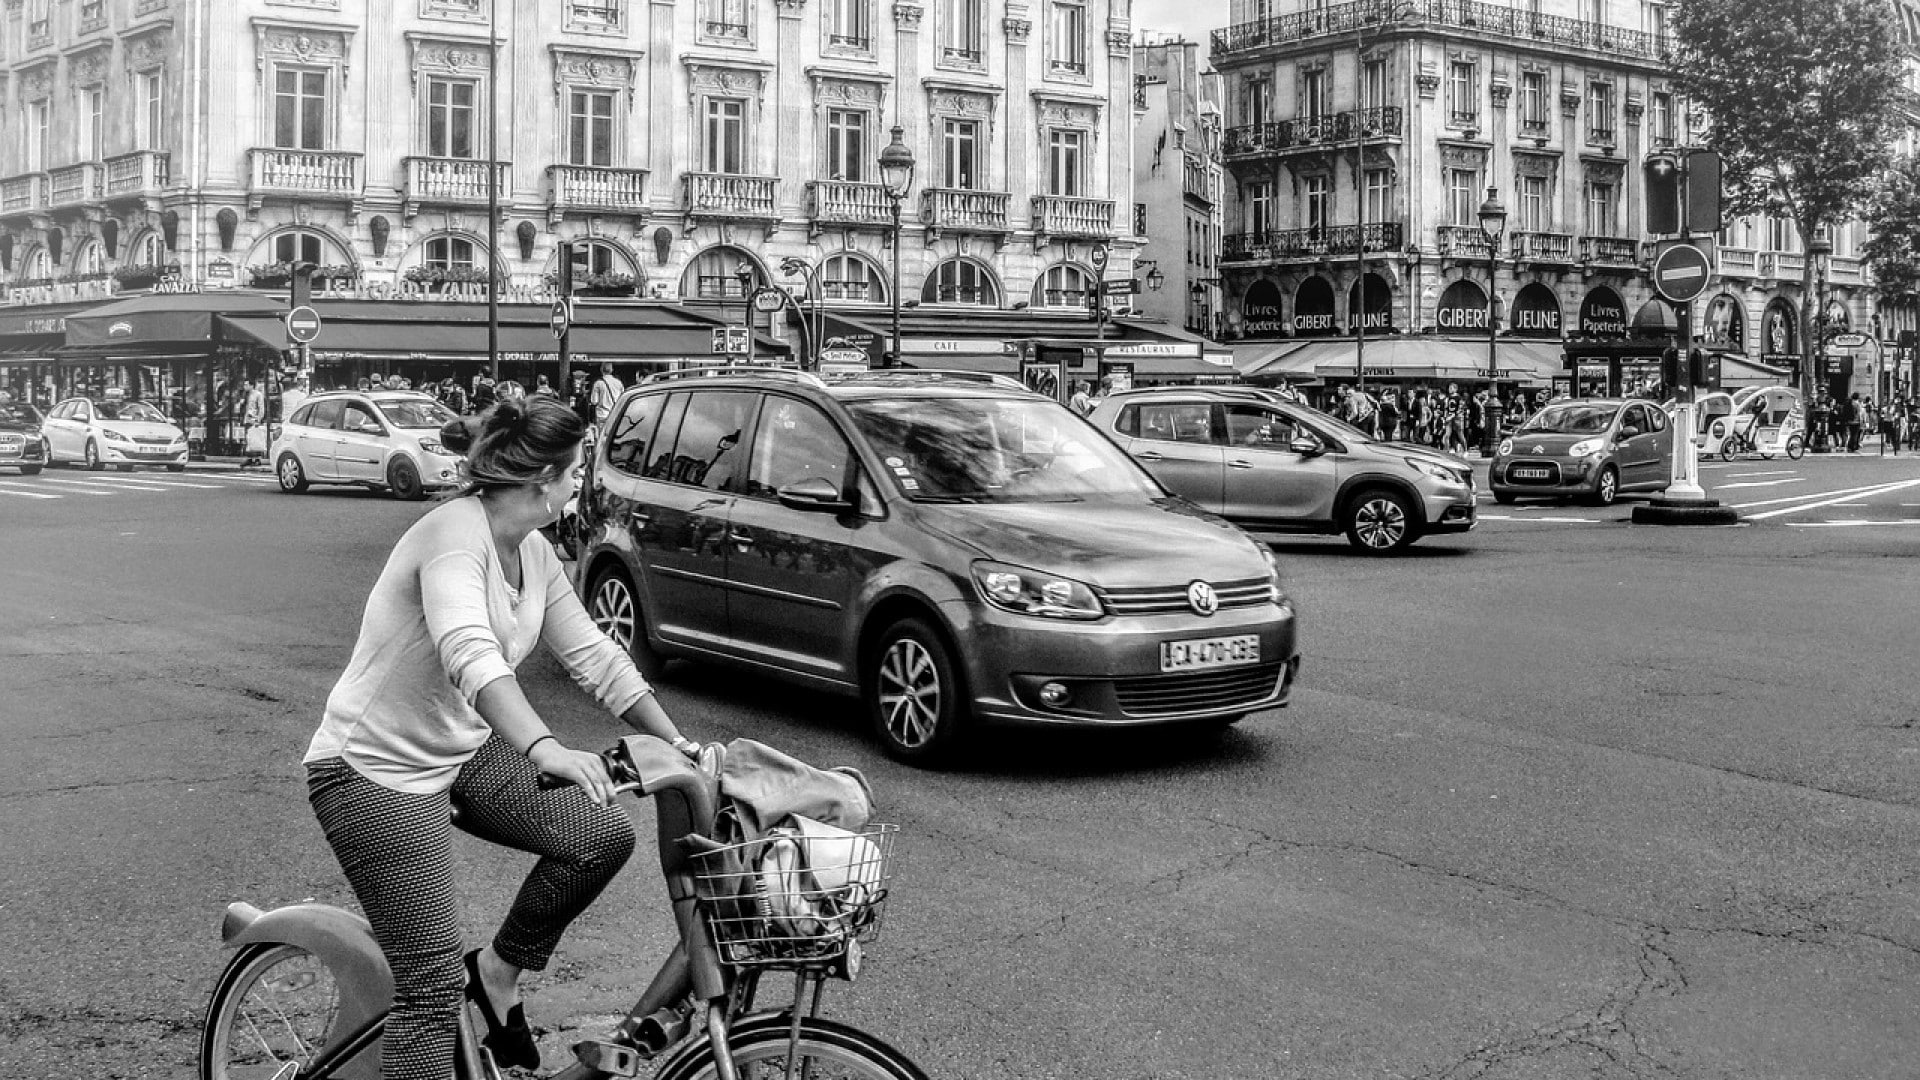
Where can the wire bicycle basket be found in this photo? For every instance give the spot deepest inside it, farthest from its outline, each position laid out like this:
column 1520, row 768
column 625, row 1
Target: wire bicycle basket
column 796, row 897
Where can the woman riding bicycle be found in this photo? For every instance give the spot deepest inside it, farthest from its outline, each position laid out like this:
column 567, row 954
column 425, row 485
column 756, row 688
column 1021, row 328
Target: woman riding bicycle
column 429, row 719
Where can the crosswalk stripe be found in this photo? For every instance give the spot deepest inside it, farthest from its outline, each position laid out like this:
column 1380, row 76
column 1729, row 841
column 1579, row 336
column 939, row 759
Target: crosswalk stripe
column 86, row 487
column 9, row 489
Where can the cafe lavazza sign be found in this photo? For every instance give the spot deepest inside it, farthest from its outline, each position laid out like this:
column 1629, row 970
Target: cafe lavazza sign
column 65, row 292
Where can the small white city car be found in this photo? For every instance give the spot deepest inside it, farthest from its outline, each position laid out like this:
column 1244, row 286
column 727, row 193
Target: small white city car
column 118, row 433
column 380, row 439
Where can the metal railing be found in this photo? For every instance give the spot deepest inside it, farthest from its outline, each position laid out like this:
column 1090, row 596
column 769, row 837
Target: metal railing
column 1312, row 243
column 848, row 202
column 1547, row 247
column 1460, row 241
column 1071, row 215
column 453, row 180
column 1481, row 18
column 964, row 210
column 1307, row 132
column 72, row 185
column 324, row 172
column 140, row 171
column 1611, row 250
column 729, row 195
column 591, row 187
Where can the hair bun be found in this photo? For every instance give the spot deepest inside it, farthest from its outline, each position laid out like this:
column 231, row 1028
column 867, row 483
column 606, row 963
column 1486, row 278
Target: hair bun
column 457, row 435
column 504, row 415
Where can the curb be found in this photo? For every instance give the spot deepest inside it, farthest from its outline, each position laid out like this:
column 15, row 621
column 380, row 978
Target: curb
column 1664, row 512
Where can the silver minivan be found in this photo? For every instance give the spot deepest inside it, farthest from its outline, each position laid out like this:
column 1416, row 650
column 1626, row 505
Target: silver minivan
column 1273, row 465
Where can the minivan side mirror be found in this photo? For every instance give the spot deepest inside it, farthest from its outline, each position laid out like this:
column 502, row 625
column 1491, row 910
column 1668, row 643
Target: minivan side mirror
column 816, row 494
column 1306, row 446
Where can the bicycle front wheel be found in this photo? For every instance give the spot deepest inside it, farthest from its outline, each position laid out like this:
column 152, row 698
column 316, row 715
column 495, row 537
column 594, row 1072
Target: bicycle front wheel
column 272, row 1012
column 825, row 1051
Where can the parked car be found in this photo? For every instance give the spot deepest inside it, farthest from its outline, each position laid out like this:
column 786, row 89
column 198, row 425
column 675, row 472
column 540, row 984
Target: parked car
column 22, row 446
column 1270, row 464
column 957, row 553
column 124, row 434
column 378, row 438
column 1590, row 448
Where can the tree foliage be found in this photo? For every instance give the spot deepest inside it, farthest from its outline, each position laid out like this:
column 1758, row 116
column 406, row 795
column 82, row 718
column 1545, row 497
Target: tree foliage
column 1800, row 95
column 1893, row 218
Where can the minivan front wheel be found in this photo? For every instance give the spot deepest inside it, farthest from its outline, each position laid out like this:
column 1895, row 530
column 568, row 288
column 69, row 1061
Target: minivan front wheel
column 915, row 694
column 1379, row 522
column 615, row 609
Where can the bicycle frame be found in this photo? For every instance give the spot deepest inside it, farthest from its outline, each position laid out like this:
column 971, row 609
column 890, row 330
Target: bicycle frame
column 686, row 797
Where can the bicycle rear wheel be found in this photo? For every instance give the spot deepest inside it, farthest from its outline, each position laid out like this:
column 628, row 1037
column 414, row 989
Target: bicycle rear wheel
column 272, row 1012
column 826, row 1051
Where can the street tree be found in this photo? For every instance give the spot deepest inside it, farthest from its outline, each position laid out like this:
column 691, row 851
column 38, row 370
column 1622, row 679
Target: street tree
column 1893, row 222
column 1800, row 98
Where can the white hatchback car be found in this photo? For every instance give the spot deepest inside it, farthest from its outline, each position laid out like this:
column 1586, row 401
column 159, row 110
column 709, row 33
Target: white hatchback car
column 118, row 433
column 378, row 438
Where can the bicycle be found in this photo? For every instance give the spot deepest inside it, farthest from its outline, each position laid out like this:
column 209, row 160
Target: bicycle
column 306, row 995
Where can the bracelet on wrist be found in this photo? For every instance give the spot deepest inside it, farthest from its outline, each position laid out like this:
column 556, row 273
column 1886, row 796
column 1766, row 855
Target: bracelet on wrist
column 529, row 750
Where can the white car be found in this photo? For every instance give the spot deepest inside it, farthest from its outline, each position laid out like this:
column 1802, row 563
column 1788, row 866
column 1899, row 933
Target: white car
column 120, row 433
column 378, row 438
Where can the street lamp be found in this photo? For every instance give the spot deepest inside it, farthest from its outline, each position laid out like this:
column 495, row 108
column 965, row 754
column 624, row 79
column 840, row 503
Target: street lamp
column 1493, row 222
column 896, row 175
column 743, row 273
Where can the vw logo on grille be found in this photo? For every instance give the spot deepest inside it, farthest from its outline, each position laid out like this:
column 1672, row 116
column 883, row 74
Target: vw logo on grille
column 1201, row 597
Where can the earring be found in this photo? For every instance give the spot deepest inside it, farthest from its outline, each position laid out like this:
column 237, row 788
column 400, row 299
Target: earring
column 548, row 500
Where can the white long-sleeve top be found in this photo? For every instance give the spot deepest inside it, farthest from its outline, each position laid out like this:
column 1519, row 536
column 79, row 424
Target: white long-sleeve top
column 442, row 623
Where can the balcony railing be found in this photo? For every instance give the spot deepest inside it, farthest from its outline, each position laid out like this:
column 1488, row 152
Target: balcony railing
column 1310, row 132
column 1194, row 182
column 1072, row 216
column 1481, row 18
column 1544, row 247
column 74, row 185
column 21, row 194
column 1739, row 262
column 1461, row 242
column 847, row 202
column 1610, row 250
column 453, row 180
column 143, row 172
column 307, row 172
column 1782, row 264
column 1327, row 242
column 729, row 196
column 586, row 187
column 1844, row 271
column 964, row 210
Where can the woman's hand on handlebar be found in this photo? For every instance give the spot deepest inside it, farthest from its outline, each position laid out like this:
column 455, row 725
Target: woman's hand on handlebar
column 578, row 767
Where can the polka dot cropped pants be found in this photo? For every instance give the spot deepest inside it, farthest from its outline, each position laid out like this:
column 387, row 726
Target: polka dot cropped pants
column 397, row 851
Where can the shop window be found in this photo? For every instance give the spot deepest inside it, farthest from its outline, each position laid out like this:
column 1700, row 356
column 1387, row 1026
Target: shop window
column 450, row 253
column 849, row 277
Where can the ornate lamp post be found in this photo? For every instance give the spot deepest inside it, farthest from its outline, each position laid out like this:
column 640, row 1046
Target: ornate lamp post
column 1493, row 222
column 1814, row 383
column 896, row 175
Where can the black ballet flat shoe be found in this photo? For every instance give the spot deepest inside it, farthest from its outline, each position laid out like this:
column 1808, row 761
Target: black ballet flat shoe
column 511, row 1042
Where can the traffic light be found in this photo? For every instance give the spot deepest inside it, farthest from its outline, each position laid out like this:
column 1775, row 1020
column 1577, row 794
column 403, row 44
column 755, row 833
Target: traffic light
column 1662, row 174
column 576, row 260
column 1703, row 192
column 1671, row 372
column 1697, row 368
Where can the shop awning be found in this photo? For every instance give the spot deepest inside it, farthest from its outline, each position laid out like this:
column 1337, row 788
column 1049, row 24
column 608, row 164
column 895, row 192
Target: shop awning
column 1270, row 360
column 1737, row 370
column 143, row 322
column 1414, row 357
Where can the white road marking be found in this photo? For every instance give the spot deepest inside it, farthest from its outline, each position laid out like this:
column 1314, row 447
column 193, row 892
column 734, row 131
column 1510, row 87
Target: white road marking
column 1839, row 497
column 1757, row 483
column 254, row 477
column 9, row 489
column 1770, row 472
column 1541, row 520
column 1843, row 493
column 87, row 487
column 146, row 483
column 1848, row 523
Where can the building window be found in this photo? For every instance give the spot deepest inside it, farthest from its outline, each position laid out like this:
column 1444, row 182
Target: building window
column 299, row 109
column 963, row 28
column 1256, row 106
column 39, row 19
column 1600, row 209
column 153, row 88
column 1600, row 112
column 1067, row 37
column 725, row 20
column 1066, row 169
column 958, row 281
column 1062, row 286
column 1260, row 219
column 593, row 14
column 850, row 277
column 450, row 253
column 847, row 144
column 1660, row 117
column 1536, row 204
column 146, row 252
column 1463, row 94
column 590, row 128
column 1782, row 235
column 960, row 154
column 296, row 246
column 726, row 136
column 1463, row 188
column 92, row 262
column 39, row 131
column 850, row 24
column 1316, row 205
column 1534, row 108
column 716, row 274
column 96, row 132
column 1373, row 84
column 450, row 118
column 1313, row 94
column 1379, row 202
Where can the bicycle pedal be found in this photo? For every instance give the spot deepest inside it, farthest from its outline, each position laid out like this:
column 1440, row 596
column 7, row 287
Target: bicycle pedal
column 607, row 1057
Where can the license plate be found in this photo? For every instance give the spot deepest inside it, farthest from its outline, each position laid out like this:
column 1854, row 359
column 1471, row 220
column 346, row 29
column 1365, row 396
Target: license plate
column 1209, row 652
column 1525, row 472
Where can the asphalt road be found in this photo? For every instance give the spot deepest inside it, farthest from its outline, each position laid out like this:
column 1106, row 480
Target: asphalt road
column 1564, row 797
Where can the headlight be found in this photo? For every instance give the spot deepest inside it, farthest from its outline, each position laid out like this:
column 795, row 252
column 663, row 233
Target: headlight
column 432, row 446
column 1273, row 574
column 1506, row 447
column 1585, row 447
column 113, row 436
column 1436, row 470
column 1030, row 592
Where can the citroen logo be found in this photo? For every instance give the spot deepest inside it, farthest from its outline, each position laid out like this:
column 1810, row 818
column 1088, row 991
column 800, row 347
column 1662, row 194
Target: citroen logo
column 1539, row 449
column 1202, row 599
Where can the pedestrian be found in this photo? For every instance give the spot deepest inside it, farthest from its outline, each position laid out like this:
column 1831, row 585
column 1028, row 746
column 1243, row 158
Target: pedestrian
column 606, row 390
column 1389, row 411
column 293, row 394
column 253, row 414
column 429, row 719
column 1081, row 401
column 1893, row 422
column 453, row 397
column 1849, row 417
column 483, row 393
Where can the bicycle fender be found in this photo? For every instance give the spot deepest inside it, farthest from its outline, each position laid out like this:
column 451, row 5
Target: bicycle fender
column 697, row 1054
column 343, row 942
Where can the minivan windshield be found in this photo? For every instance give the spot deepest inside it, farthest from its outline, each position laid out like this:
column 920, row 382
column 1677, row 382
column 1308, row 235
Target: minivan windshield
column 1572, row 418
column 997, row 450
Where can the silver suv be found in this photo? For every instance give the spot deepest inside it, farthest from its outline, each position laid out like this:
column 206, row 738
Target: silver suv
column 954, row 551
column 1273, row 465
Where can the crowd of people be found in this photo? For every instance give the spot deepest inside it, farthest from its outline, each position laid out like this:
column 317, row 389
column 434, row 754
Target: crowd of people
column 1844, row 423
column 1451, row 419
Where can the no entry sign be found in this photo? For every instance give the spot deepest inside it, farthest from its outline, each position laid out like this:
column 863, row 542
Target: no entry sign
column 1681, row 273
